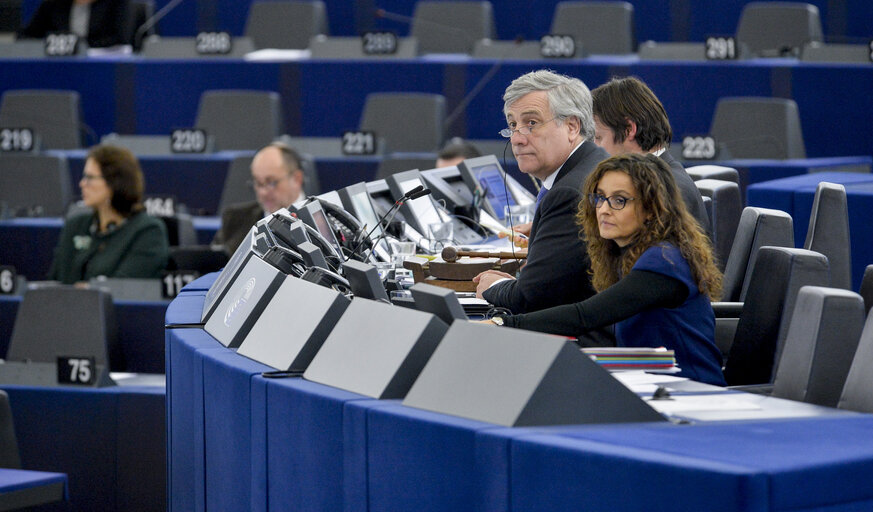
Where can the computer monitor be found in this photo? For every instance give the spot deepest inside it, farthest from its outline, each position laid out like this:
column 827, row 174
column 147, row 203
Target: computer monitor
column 498, row 190
column 313, row 214
column 419, row 213
column 448, row 186
column 381, row 197
column 364, row 281
column 356, row 199
column 330, row 197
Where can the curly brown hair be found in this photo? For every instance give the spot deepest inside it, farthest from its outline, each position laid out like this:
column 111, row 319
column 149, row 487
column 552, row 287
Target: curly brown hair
column 123, row 175
column 668, row 221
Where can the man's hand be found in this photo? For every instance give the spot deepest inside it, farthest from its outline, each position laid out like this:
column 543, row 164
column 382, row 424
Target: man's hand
column 521, row 229
column 486, row 279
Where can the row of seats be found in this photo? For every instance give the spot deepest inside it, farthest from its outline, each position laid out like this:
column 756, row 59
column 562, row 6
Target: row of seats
column 742, row 127
column 607, row 27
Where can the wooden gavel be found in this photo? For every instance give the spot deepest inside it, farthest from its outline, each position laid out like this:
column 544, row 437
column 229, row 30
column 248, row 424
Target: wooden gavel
column 451, row 254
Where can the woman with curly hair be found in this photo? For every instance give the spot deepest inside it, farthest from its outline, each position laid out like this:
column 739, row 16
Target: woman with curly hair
column 651, row 264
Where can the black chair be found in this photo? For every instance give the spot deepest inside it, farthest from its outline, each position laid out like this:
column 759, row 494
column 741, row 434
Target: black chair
column 819, row 346
column 202, row 259
column 757, row 227
column 754, row 127
column 66, row 321
column 408, row 122
column 399, row 162
column 598, row 27
column 34, row 185
column 858, row 391
column 866, row 289
column 240, row 120
column 54, row 116
column 727, row 207
column 777, row 276
column 286, row 25
column 778, row 29
column 713, row 172
column 828, row 232
column 451, row 27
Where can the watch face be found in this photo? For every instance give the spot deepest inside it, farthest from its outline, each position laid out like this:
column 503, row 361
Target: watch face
column 498, row 320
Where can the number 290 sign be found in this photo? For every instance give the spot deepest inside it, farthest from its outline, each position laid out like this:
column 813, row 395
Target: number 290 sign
column 79, row 371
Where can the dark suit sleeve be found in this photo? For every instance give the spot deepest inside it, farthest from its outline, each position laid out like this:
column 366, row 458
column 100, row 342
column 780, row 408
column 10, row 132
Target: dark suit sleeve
column 47, row 19
column 555, row 253
column 109, row 23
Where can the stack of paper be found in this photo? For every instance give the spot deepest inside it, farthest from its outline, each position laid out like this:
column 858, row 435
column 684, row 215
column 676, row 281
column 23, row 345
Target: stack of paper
column 637, row 358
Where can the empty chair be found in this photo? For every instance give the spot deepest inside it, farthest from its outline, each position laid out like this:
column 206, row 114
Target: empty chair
column 180, row 229
column 285, row 25
column 828, row 232
column 727, row 207
column 54, row 116
column 408, row 122
column 600, row 27
column 451, row 27
column 399, row 162
column 819, row 346
column 240, row 119
column 858, row 391
column 866, row 290
column 713, row 172
column 65, row 321
column 777, row 276
column 776, row 29
column 757, row 227
column 750, row 127
column 846, row 53
column 35, row 185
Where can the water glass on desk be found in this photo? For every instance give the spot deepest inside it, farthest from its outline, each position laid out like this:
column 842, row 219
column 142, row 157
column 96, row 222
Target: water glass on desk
column 400, row 251
column 441, row 235
column 517, row 214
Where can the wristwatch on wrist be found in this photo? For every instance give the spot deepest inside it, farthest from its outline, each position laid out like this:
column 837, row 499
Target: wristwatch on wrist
column 498, row 320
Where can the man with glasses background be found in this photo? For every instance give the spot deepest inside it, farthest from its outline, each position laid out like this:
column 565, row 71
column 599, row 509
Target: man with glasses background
column 550, row 127
column 277, row 179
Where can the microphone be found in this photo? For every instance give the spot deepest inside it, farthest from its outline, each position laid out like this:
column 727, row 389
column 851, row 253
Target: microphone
column 384, row 220
column 420, row 193
column 408, row 20
column 151, row 22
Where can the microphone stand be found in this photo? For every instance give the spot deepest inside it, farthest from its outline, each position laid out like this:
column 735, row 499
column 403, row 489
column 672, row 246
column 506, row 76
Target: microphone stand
column 392, row 212
column 151, row 22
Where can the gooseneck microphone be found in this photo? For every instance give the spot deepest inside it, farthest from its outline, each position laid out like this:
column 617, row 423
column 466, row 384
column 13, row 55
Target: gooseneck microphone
column 151, row 22
column 386, row 219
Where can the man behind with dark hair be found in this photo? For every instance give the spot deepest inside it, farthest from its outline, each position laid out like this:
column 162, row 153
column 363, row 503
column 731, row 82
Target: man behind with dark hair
column 456, row 151
column 629, row 118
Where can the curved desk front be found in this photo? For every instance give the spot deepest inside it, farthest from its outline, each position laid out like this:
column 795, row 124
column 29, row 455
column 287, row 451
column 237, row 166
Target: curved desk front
column 240, row 441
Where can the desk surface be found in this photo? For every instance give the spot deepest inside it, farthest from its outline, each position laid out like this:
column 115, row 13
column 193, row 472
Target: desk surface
column 290, row 442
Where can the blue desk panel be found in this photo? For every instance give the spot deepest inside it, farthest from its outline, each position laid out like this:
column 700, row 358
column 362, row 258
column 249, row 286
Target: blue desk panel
column 140, row 332
column 795, row 195
column 282, row 444
column 109, row 441
column 757, row 466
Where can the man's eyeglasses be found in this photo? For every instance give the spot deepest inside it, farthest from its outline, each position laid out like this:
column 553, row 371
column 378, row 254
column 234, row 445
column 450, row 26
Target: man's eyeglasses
column 524, row 130
column 88, row 178
column 270, row 184
column 615, row 202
